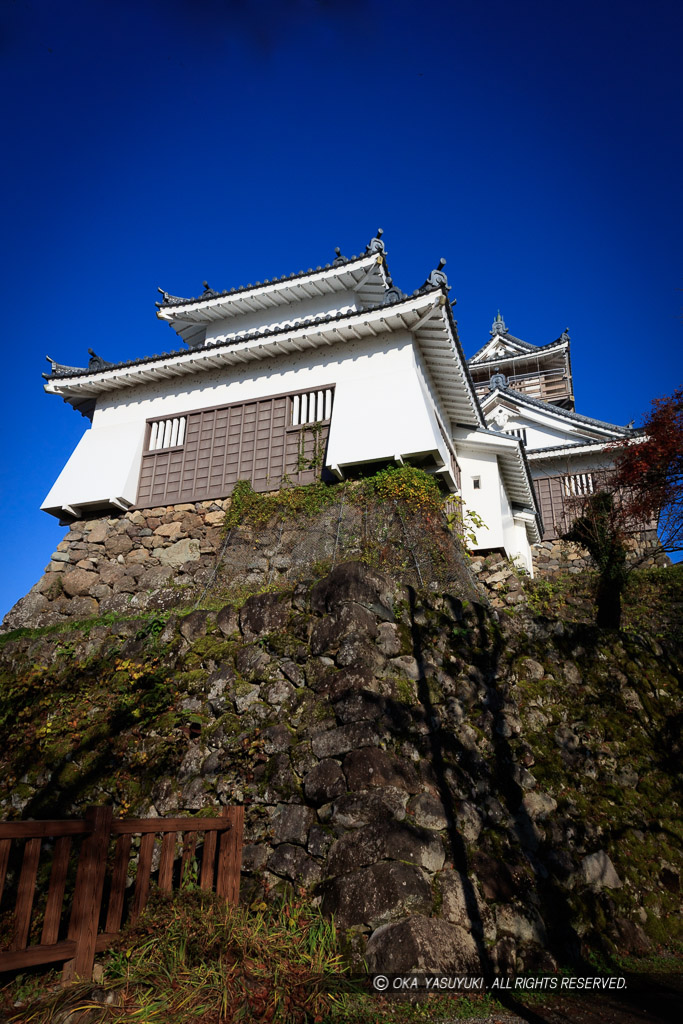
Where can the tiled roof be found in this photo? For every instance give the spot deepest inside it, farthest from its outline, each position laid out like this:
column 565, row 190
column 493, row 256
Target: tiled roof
column 528, row 348
column 567, row 414
column 376, row 245
column 62, row 372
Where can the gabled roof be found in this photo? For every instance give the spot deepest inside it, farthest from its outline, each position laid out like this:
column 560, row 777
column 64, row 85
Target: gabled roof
column 525, row 350
column 515, row 346
column 549, row 409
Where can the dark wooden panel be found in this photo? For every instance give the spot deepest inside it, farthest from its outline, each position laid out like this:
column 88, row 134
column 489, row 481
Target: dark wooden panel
column 552, row 506
column 85, row 911
column 208, row 860
column 35, row 955
column 142, row 877
column 166, row 862
column 129, row 826
column 33, row 829
column 55, row 894
column 5, row 845
column 249, row 441
column 230, row 857
column 118, row 884
column 27, row 886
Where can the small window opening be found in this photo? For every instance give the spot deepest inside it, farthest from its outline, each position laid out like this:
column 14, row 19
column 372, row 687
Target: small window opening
column 476, row 483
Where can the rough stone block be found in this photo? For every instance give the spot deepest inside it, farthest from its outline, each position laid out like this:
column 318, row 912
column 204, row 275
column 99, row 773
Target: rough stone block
column 353, row 581
column 423, row 944
column 370, row 767
column 193, row 625
column 599, row 872
column 353, row 810
column 428, row 812
column 293, row 863
column 383, row 841
column 345, row 738
column 292, row 822
column 265, row 613
column 376, row 895
column 77, row 582
column 351, row 620
column 186, row 550
column 227, row 620
column 324, row 782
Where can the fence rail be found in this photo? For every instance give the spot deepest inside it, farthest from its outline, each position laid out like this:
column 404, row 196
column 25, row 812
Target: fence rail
column 100, row 899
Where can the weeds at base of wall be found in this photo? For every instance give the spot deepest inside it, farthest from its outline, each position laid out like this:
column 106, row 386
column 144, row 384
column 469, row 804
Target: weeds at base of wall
column 190, row 957
column 412, row 488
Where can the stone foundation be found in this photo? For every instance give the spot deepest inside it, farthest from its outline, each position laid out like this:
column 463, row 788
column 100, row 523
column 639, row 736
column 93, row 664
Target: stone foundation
column 133, row 561
column 553, row 558
column 425, row 768
column 179, row 555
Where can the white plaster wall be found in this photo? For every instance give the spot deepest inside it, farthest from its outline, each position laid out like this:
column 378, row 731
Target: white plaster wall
column 509, row 533
column 520, row 549
column 104, row 465
column 379, row 411
column 277, row 316
column 544, row 433
column 486, row 500
column 575, row 463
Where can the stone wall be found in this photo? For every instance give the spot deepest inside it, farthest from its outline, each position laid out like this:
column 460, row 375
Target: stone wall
column 435, row 773
column 136, row 560
column 180, row 555
column 553, row 558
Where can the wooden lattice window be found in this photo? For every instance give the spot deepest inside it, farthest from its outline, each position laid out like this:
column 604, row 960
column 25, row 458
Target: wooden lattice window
column 578, row 485
column 167, row 433
column 311, row 407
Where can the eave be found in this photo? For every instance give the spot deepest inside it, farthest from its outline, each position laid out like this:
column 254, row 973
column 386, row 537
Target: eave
column 539, row 411
column 567, row 450
column 426, row 315
column 555, row 347
column 366, row 277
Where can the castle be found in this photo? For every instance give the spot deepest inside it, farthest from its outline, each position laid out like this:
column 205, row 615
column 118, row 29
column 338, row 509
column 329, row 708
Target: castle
column 322, row 374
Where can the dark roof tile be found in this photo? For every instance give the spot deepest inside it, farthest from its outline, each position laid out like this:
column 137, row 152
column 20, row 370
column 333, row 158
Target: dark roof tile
column 568, row 414
column 252, row 336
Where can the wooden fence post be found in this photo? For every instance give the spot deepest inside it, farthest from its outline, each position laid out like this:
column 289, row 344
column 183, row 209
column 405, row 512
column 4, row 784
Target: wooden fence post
column 230, row 856
column 85, row 912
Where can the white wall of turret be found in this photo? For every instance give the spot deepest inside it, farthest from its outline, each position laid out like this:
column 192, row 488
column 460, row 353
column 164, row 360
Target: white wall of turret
column 380, row 412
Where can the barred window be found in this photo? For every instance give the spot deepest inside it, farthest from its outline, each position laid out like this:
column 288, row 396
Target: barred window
column 519, row 432
column 311, row 407
column 168, row 433
column 578, row 485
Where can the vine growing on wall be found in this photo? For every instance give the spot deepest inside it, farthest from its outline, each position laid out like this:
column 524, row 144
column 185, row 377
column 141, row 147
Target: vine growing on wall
column 464, row 522
column 409, row 488
column 316, row 460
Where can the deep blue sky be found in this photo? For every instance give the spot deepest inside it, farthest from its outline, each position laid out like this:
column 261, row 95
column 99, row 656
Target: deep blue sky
column 537, row 146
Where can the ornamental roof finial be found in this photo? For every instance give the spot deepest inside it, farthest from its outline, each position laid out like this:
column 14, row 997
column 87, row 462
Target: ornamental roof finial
column 96, row 362
column 498, row 326
column 338, row 258
column 376, row 244
column 437, row 278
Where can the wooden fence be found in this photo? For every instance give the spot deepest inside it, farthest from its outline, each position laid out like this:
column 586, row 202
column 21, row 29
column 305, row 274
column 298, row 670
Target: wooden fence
column 99, row 892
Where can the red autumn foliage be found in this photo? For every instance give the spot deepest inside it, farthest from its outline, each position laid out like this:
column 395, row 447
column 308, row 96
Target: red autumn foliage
column 650, row 471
